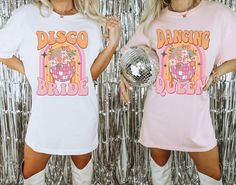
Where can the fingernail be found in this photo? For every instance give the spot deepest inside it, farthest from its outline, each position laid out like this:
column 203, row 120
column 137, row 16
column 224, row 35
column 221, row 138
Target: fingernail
column 130, row 88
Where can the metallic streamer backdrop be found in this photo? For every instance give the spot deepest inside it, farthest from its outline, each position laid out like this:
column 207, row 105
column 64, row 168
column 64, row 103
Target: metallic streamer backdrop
column 119, row 158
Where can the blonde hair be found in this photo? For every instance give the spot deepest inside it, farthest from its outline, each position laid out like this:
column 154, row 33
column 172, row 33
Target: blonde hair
column 86, row 7
column 152, row 12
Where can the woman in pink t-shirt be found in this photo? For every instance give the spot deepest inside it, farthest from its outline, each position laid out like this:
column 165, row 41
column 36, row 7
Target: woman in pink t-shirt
column 60, row 44
column 190, row 37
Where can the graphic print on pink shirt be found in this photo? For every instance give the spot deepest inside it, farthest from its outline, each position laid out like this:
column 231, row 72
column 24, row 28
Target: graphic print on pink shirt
column 62, row 64
column 183, row 62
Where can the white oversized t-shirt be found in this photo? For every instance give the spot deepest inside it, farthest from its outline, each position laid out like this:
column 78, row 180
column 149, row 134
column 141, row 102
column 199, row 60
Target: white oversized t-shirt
column 176, row 111
column 57, row 54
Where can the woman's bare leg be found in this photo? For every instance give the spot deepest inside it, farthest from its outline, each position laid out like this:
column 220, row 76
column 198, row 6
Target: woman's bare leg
column 160, row 163
column 208, row 163
column 34, row 162
column 82, row 169
column 160, row 156
column 81, row 161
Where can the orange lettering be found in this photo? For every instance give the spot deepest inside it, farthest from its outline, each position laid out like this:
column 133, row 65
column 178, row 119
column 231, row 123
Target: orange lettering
column 197, row 38
column 177, row 36
column 160, row 39
column 42, row 39
column 206, row 40
column 61, row 37
column 70, row 39
column 185, row 36
column 51, row 38
column 168, row 37
column 83, row 39
column 190, row 37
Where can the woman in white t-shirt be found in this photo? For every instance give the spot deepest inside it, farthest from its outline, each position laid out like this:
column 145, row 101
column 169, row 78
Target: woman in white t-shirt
column 190, row 37
column 60, row 45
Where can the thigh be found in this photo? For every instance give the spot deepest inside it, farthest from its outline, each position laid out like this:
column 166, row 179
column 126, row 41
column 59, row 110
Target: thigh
column 81, row 161
column 160, row 156
column 34, row 161
column 207, row 162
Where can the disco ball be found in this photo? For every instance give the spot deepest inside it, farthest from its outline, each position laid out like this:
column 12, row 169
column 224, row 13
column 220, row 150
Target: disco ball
column 62, row 72
column 62, row 63
column 140, row 66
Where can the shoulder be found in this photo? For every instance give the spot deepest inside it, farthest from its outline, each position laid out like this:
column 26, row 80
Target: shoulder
column 140, row 27
column 91, row 23
column 28, row 8
column 215, row 4
column 222, row 14
column 219, row 8
column 24, row 11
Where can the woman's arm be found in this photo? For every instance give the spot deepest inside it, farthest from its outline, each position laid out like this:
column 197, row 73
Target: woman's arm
column 104, row 58
column 14, row 63
column 226, row 67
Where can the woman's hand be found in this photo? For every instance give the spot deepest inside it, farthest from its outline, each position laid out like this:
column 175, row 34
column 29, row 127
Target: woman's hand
column 14, row 63
column 211, row 79
column 113, row 28
column 124, row 90
column 226, row 67
column 101, row 62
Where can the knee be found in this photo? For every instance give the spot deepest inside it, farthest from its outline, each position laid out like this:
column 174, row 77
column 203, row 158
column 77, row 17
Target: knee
column 161, row 158
column 81, row 161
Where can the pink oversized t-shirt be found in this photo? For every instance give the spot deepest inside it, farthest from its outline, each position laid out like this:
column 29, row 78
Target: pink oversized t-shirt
column 176, row 111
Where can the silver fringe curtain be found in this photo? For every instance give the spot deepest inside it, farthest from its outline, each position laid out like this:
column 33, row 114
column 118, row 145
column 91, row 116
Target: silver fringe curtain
column 119, row 159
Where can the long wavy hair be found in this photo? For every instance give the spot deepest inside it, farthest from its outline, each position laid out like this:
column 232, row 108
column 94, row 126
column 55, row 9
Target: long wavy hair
column 152, row 12
column 86, row 7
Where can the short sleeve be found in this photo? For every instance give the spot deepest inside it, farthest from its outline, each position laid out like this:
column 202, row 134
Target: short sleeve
column 11, row 34
column 100, row 39
column 96, row 42
column 227, row 50
column 137, row 39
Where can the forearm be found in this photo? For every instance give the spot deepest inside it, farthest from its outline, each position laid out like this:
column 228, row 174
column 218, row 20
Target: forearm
column 226, row 67
column 13, row 63
column 102, row 61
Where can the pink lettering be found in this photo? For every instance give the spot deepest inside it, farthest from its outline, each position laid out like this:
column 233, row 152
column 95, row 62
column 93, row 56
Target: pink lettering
column 83, row 90
column 65, row 89
column 42, row 89
column 160, row 86
column 190, row 88
column 52, row 89
column 73, row 89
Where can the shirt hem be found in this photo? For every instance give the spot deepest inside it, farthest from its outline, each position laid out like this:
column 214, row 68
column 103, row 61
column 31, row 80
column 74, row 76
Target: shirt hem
column 6, row 55
column 180, row 149
column 225, row 59
column 61, row 152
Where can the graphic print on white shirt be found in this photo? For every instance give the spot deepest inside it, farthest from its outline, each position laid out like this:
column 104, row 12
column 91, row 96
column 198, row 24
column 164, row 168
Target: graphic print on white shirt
column 183, row 61
column 62, row 63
